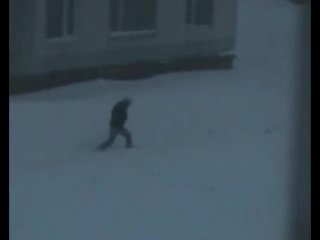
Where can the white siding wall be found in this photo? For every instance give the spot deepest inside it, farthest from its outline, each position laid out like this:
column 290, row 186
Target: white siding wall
column 93, row 44
column 225, row 20
column 21, row 33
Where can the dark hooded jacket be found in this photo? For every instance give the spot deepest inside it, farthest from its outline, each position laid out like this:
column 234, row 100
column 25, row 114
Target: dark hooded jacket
column 119, row 114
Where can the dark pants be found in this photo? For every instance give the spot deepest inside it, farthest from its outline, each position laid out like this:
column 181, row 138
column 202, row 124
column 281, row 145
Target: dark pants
column 114, row 132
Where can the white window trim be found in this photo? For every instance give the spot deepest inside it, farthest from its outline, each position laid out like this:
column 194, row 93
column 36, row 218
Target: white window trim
column 62, row 39
column 132, row 33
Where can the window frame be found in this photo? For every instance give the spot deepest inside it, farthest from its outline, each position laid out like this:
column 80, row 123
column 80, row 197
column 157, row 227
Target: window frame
column 66, row 34
column 120, row 28
column 192, row 10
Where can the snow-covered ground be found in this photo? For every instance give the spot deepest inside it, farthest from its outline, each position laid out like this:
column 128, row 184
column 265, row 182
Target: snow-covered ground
column 211, row 160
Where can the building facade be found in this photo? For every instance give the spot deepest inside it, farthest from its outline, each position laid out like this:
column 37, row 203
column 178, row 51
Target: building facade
column 56, row 35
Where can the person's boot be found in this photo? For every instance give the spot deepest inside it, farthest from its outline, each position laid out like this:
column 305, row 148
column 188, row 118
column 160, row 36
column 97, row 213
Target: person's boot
column 129, row 143
column 104, row 145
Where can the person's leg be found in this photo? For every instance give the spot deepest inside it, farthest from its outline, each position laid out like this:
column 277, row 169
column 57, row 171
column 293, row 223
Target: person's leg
column 127, row 135
column 112, row 136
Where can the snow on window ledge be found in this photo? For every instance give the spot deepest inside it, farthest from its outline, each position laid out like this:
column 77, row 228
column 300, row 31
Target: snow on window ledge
column 133, row 33
column 64, row 39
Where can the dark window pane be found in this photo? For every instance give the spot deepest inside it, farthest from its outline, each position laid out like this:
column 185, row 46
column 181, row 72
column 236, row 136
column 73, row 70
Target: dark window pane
column 54, row 18
column 139, row 15
column 70, row 17
column 203, row 12
column 189, row 12
column 114, row 15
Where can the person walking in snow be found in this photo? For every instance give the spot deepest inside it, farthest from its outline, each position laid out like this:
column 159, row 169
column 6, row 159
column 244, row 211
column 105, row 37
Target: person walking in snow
column 119, row 116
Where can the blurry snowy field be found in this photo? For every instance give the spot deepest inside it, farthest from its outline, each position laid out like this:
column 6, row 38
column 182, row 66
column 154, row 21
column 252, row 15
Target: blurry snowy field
column 211, row 160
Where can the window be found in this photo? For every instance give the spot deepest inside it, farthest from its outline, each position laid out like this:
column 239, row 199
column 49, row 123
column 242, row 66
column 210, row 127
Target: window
column 59, row 18
column 132, row 15
column 199, row 12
